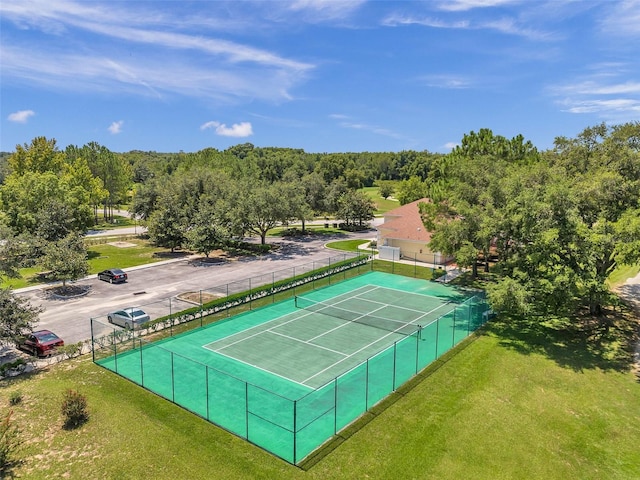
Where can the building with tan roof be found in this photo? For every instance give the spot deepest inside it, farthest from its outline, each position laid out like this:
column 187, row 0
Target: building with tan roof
column 403, row 236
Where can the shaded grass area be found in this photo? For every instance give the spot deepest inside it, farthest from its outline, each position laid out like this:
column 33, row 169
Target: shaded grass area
column 511, row 402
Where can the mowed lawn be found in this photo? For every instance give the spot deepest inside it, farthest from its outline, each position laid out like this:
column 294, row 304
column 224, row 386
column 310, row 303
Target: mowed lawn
column 508, row 404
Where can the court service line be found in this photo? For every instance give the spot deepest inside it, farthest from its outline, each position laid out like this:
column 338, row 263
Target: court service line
column 351, row 354
column 416, row 294
column 262, row 330
column 307, row 342
column 257, row 367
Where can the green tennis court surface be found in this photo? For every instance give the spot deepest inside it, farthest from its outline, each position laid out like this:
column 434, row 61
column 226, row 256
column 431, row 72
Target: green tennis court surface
column 287, row 377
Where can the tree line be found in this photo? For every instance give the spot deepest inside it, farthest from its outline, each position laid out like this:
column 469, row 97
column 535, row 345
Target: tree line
column 554, row 223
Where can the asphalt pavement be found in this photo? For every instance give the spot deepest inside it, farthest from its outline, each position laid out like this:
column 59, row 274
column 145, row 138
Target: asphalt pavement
column 151, row 286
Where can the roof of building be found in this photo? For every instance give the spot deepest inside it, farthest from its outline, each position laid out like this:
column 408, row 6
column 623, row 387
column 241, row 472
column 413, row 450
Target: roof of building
column 405, row 223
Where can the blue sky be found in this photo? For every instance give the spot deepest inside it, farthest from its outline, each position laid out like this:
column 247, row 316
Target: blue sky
column 324, row 76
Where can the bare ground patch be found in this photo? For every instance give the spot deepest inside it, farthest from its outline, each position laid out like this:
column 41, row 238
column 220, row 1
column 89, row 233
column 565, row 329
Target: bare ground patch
column 122, row 244
column 197, row 297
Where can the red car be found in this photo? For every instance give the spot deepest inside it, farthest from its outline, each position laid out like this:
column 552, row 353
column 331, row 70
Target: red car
column 41, row 343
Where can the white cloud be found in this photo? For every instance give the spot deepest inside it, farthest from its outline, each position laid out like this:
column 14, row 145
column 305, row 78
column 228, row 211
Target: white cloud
column 21, row 116
column 238, row 130
column 116, row 127
column 209, row 67
column 464, row 5
column 373, row 129
column 450, row 145
column 319, row 10
column 623, row 19
column 446, row 81
column 601, row 94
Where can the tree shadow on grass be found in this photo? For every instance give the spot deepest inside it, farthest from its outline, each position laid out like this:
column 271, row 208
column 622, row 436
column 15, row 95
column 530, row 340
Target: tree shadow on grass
column 579, row 343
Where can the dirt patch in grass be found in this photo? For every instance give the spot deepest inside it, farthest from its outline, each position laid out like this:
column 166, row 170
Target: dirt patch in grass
column 197, row 297
column 122, row 244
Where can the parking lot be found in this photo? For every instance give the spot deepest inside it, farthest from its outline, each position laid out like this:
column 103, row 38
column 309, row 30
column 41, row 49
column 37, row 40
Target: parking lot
column 151, row 286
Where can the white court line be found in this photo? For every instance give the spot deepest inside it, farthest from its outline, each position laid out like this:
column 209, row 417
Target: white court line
column 312, row 344
column 362, row 290
column 262, row 330
column 414, row 294
column 357, row 351
column 257, row 367
column 270, row 329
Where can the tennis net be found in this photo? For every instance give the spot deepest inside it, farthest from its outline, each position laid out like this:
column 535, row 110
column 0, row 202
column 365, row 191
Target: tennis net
column 368, row 319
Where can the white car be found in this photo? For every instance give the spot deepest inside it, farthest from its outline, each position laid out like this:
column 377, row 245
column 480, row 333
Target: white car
column 128, row 318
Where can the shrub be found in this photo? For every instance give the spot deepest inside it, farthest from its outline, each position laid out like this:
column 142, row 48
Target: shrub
column 74, row 409
column 9, row 442
column 16, row 367
column 15, row 398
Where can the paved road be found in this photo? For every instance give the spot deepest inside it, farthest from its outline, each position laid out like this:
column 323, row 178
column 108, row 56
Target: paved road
column 152, row 285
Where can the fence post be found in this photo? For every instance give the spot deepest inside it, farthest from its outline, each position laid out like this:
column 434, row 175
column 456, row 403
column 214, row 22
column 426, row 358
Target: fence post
column 295, row 430
column 173, row 388
column 141, row 363
column 206, row 379
column 93, row 349
column 246, row 408
column 201, row 313
column 453, row 330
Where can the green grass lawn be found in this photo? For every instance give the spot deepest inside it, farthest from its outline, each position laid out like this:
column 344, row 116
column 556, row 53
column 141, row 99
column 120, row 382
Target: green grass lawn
column 349, row 245
column 382, row 205
column 622, row 273
column 100, row 256
column 509, row 403
column 118, row 221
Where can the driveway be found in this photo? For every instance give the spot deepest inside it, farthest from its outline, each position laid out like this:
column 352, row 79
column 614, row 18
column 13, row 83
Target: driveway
column 151, row 286
column 630, row 291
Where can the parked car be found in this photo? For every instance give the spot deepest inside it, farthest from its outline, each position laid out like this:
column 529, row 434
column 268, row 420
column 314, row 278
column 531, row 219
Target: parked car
column 41, row 343
column 128, row 317
column 113, row 275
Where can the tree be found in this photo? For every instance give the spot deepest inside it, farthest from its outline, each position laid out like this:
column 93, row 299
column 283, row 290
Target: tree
column 207, row 229
column 166, row 226
column 385, row 188
column 17, row 317
column 411, row 190
column 114, row 172
column 55, row 221
column 66, row 258
column 356, row 208
column 257, row 208
column 41, row 156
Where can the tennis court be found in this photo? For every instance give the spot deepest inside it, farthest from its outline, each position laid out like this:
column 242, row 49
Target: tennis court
column 289, row 376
